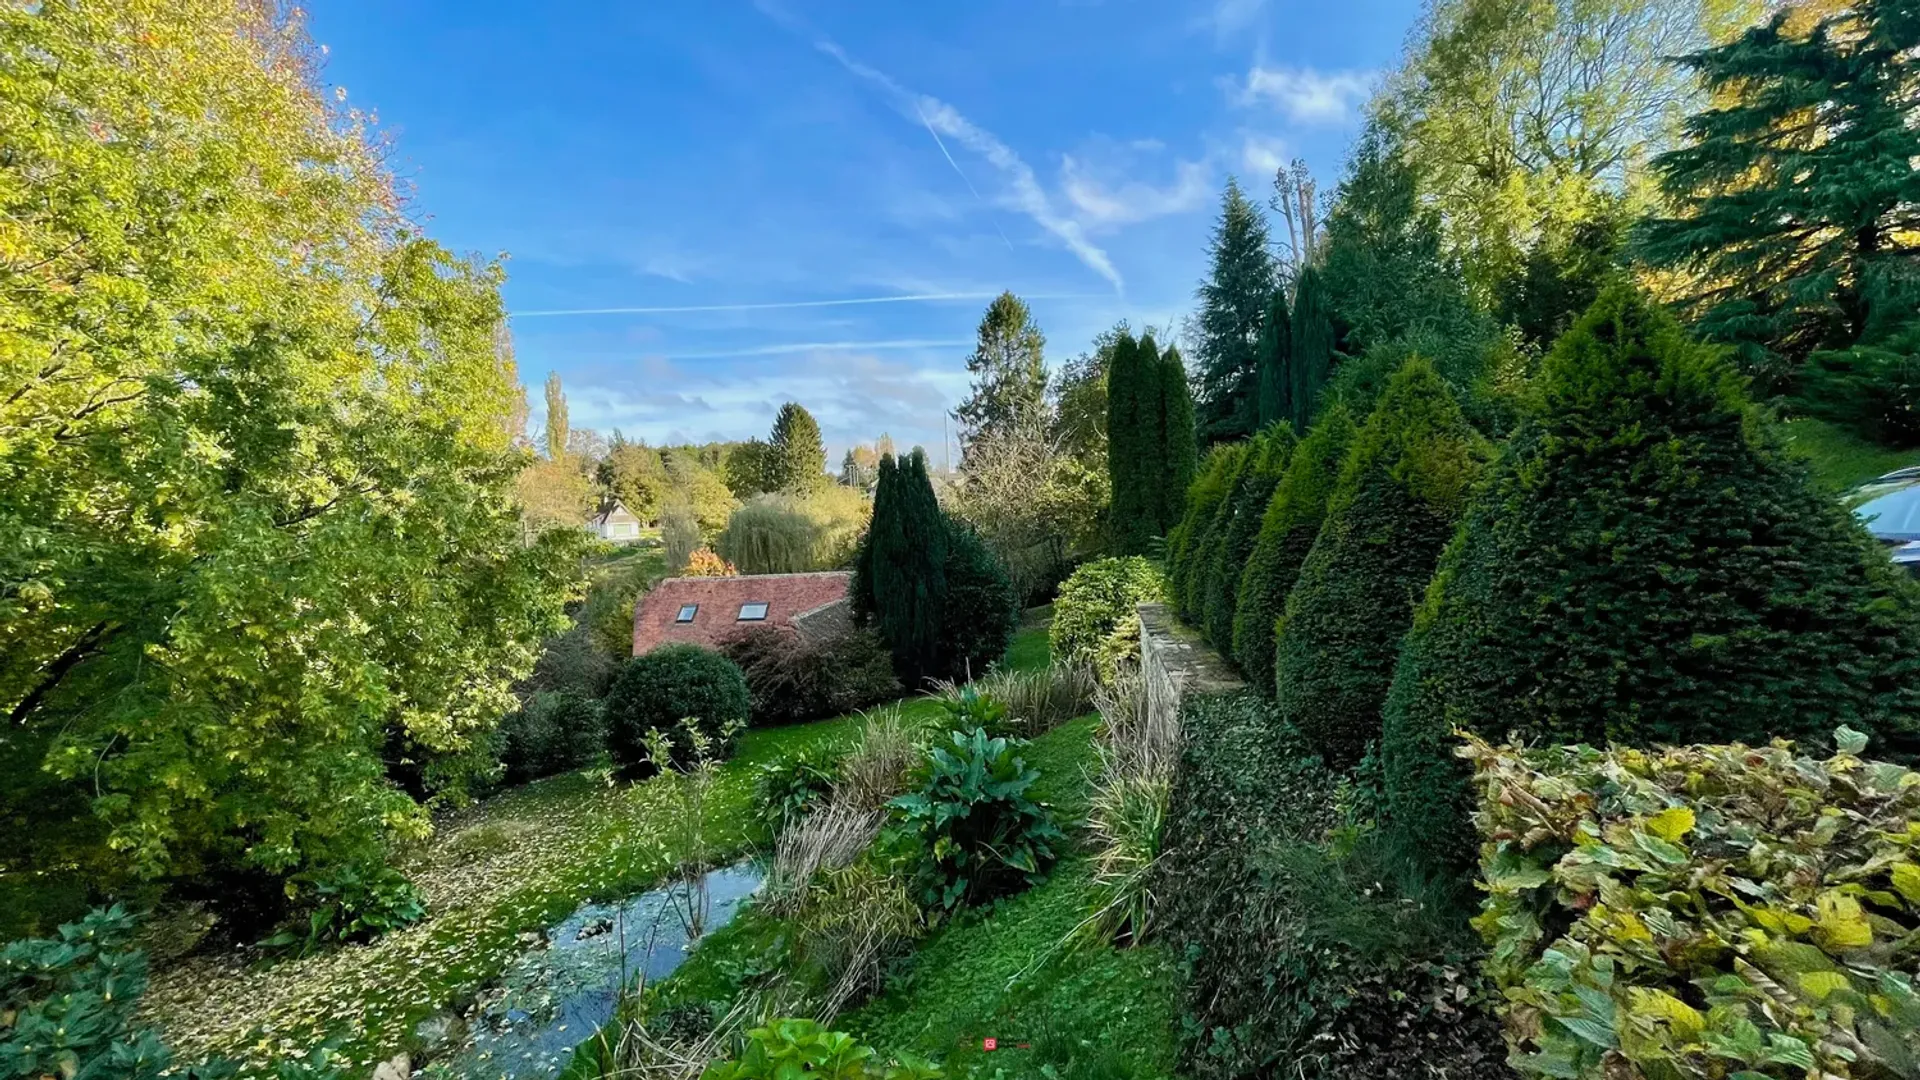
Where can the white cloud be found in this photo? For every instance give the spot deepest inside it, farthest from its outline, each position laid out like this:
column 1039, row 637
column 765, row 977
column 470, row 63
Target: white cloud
column 1022, row 191
column 1260, row 155
column 1228, row 17
column 1101, row 202
column 1304, row 95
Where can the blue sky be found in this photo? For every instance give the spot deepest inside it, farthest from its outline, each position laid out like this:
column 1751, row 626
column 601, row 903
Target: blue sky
column 715, row 206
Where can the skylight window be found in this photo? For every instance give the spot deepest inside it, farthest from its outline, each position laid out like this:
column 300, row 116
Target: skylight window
column 687, row 612
column 753, row 612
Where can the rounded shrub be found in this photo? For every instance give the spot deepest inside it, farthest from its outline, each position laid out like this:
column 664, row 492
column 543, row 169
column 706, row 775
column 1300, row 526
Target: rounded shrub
column 1096, row 601
column 1287, row 530
column 1266, row 463
column 793, row 678
column 981, row 612
column 1209, row 489
column 657, row 691
column 1647, row 565
column 1400, row 493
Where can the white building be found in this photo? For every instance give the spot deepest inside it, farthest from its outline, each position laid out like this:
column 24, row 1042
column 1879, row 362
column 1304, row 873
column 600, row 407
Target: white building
column 616, row 523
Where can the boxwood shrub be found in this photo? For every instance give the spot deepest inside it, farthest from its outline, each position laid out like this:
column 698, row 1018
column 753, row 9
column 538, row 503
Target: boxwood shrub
column 1703, row 911
column 672, row 683
column 1099, row 599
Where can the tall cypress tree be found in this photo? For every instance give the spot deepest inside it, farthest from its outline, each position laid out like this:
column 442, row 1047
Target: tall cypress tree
column 1233, row 303
column 1276, row 351
column 1798, row 203
column 1132, row 516
column 1311, row 351
column 899, row 581
column 1176, row 450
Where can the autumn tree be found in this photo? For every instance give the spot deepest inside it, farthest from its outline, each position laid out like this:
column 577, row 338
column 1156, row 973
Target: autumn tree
column 557, row 431
column 256, row 513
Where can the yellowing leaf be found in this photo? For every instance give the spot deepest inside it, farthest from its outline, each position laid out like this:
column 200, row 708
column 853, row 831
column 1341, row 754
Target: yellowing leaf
column 1671, row 824
column 1818, row 984
column 1685, row 1021
column 1906, row 881
column 1840, row 923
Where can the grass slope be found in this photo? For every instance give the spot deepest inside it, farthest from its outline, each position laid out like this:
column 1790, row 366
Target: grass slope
column 1842, row 460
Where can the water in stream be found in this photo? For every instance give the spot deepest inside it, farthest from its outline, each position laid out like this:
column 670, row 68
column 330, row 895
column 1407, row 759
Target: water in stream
column 563, row 989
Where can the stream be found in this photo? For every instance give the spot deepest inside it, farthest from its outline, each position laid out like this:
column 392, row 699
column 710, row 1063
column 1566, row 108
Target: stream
column 564, row 988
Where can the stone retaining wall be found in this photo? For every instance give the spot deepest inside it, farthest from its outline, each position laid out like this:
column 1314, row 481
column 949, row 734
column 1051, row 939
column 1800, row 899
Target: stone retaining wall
column 1175, row 662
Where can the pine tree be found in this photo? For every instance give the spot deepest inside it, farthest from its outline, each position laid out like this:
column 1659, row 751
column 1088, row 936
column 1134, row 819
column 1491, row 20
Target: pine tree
column 1311, row 352
column 1287, row 531
column 1009, row 373
column 556, row 418
column 1233, row 302
column 1175, row 450
column 1130, row 409
column 1798, row 205
column 1276, row 366
column 796, row 456
column 1267, row 462
column 1647, row 564
column 1401, row 490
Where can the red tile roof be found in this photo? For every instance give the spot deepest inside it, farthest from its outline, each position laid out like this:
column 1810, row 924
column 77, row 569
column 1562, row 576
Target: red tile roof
column 719, row 600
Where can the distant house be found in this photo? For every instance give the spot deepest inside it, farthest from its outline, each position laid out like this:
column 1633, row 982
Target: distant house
column 708, row 610
column 615, row 523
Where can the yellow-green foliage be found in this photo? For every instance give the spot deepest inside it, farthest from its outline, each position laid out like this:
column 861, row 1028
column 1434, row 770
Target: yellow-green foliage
column 791, row 534
column 1097, row 603
column 1703, row 911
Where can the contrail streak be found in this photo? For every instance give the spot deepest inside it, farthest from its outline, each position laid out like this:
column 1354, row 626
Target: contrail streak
column 911, row 298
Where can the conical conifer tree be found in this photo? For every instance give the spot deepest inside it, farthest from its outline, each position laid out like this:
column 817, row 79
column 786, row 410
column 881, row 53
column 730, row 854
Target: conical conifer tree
column 1276, row 352
column 1233, row 300
column 1647, row 564
column 1267, row 462
column 796, row 456
column 900, row 570
column 1188, row 539
column 1177, row 450
column 1287, row 531
column 1310, row 356
column 1204, row 554
column 1401, row 490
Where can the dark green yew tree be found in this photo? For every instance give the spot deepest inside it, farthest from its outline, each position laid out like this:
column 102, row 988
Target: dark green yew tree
column 1132, row 405
column 1310, row 352
column 1646, row 564
column 900, row 584
column 1189, row 539
column 1401, row 490
column 1176, row 450
column 1267, row 461
column 1286, row 533
column 1276, row 362
column 1797, row 204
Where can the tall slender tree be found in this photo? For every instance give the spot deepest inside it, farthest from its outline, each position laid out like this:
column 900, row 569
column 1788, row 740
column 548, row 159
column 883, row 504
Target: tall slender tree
column 796, row 456
column 1233, row 303
column 899, row 581
column 1798, row 206
column 556, row 418
column 1009, row 373
column 1176, row 451
column 1311, row 348
column 1276, row 362
column 1129, row 410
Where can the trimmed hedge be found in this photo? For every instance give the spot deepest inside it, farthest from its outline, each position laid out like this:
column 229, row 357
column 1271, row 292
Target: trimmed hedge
column 675, row 682
column 1287, row 531
column 1209, row 490
column 1266, row 463
column 1098, row 600
column 1703, row 911
column 1204, row 556
column 1300, row 955
column 1646, row 564
column 1401, row 490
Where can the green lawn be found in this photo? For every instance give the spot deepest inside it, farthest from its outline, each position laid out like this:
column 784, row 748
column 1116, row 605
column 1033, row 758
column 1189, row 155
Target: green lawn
column 1842, row 460
column 1030, row 650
